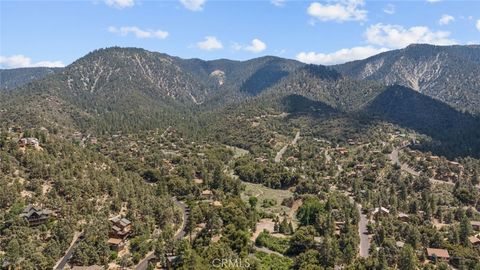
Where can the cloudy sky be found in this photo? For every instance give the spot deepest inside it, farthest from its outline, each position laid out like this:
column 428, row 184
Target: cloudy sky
column 55, row 33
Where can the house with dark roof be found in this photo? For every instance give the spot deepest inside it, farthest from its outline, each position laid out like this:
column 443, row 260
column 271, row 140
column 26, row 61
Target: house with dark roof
column 35, row 215
column 121, row 228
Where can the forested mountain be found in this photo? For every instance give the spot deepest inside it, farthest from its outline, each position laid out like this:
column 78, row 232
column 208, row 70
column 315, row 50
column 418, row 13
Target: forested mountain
column 448, row 73
column 11, row 78
column 127, row 89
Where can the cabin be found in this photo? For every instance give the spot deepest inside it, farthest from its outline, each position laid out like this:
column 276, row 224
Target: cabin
column 455, row 165
column 474, row 241
column 380, row 211
column 116, row 244
column 439, row 254
column 121, row 228
column 475, row 225
column 403, row 217
column 35, row 215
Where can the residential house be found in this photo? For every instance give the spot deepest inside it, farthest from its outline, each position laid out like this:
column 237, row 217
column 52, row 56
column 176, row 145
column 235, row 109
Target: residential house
column 403, row 217
column 455, row 166
column 116, row 244
column 435, row 254
column 35, row 215
column 380, row 211
column 121, row 228
column 207, row 194
column 474, row 241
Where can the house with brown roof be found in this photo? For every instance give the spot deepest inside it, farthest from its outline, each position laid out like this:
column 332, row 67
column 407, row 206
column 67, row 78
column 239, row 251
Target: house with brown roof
column 435, row 254
column 35, row 215
column 474, row 241
column 116, row 244
column 121, row 228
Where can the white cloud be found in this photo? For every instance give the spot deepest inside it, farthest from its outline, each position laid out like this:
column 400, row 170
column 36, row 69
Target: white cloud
column 396, row 36
column 389, row 9
column 139, row 33
column 342, row 10
column 446, row 19
column 193, row 5
column 210, row 43
column 120, row 3
column 20, row 61
column 478, row 25
column 256, row 46
column 340, row 56
column 278, row 3
column 433, row 1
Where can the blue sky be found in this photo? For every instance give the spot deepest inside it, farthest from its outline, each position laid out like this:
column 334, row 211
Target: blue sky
column 55, row 33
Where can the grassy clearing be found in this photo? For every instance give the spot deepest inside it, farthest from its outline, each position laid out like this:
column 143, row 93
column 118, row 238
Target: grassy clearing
column 264, row 193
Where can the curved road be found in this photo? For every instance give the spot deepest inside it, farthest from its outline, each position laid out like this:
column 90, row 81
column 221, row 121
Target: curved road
column 143, row 264
column 404, row 167
column 68, row 254
column 282, row 151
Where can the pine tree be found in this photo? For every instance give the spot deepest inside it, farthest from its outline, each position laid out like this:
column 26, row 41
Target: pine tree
column 465, row 230
column 408, row 260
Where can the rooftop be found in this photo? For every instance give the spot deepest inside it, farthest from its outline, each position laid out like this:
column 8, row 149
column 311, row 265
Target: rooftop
column 438, row 252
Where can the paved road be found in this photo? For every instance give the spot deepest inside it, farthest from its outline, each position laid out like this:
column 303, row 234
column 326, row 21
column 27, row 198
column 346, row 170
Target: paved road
column 268, row 251
column 363, row 233
column 364, row 246
column 395, row 160
column 282, row 151
column 181, row 231
column 143, row 264
column 63, row 261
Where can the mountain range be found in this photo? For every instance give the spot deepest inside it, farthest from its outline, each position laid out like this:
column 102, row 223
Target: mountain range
column 432, row 89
